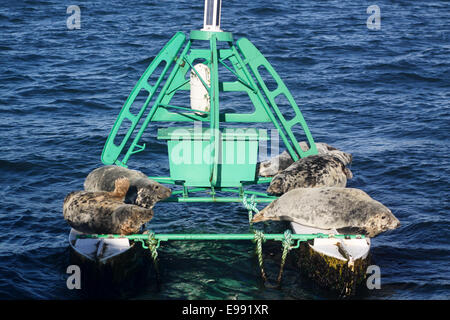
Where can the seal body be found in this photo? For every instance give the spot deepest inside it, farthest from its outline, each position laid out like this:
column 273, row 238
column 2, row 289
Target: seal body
column 311, row 172
column 344, row 209
column 105, row 212
column 277, row 164
column 143, row 191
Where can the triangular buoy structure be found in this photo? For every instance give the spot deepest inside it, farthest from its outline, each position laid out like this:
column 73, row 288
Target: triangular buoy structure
column 208, row 152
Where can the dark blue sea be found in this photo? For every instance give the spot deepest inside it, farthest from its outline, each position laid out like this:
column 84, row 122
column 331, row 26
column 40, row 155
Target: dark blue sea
column 382, row 95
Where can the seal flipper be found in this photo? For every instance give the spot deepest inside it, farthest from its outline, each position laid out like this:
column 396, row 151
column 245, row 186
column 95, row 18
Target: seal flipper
column 121, row 187
column 352, row 230
column 128, row 219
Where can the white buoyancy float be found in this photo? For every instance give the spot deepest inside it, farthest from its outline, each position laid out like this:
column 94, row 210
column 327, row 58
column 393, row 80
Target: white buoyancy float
column 200, row 99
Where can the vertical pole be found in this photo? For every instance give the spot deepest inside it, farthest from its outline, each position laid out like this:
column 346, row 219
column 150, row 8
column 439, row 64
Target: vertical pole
column 211, row 19
column 214, row 115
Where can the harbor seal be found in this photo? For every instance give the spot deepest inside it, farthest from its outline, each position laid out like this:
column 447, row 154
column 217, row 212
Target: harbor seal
column 277, row 164
column 345, row 209
column 311, row 172
column 143, row 191
column 105, row 212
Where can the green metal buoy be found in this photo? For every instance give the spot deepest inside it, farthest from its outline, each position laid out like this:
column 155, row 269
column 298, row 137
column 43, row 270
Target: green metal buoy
column 211, row 155
column 215, row 157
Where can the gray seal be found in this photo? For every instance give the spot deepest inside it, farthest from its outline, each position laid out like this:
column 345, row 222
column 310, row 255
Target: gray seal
column 105, row 212
column 311, row 172
column 143, row 191
column 343, row 209
column 277, row 164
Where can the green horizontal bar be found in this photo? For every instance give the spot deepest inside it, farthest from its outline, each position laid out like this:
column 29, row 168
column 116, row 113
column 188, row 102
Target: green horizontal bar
column 261, row 194
column 260, row 180
column 213, row 199
column 182, row 108
column 175, row 192
column 222, row 236
column 167, row 180
column 206, row 35
column 265, row 198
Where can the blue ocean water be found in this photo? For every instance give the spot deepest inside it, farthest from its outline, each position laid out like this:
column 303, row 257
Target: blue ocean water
column 382, row 95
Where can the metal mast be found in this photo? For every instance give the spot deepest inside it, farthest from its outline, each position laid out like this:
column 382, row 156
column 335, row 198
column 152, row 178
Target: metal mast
column 211, row 20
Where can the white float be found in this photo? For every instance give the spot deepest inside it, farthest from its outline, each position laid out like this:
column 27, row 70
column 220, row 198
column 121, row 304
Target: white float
column 200, row 99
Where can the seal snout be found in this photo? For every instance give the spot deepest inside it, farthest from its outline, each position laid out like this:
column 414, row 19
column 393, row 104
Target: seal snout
column 165, row 192
column 268, row 168
column 395, row 223
column 259, row 217
column 389, row 221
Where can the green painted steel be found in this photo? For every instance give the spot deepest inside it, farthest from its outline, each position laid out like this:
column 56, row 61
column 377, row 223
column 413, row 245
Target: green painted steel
column 214, row 199
column 190, row 154
column 214, row 121
column 254, row 58
column 111, row 151
column 185, row 195
column 207, row 35
column 242, row 61
column 169, row 180
column 223, row 236
column 156, row 104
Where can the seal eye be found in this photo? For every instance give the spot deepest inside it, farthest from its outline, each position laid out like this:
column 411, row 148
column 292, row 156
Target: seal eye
column 383, row 217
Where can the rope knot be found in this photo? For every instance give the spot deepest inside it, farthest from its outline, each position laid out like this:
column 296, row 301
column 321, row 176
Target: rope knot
column 250, row 206
column 153, row 245
column 259, row 236
column 287, row 241
column 287, row 246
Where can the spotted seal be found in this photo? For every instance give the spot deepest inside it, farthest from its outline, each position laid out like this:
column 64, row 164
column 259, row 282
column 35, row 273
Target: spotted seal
column 143, row 191
column 348, row 210
column 105, row 212
column 277, row 164
column 311, row 172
